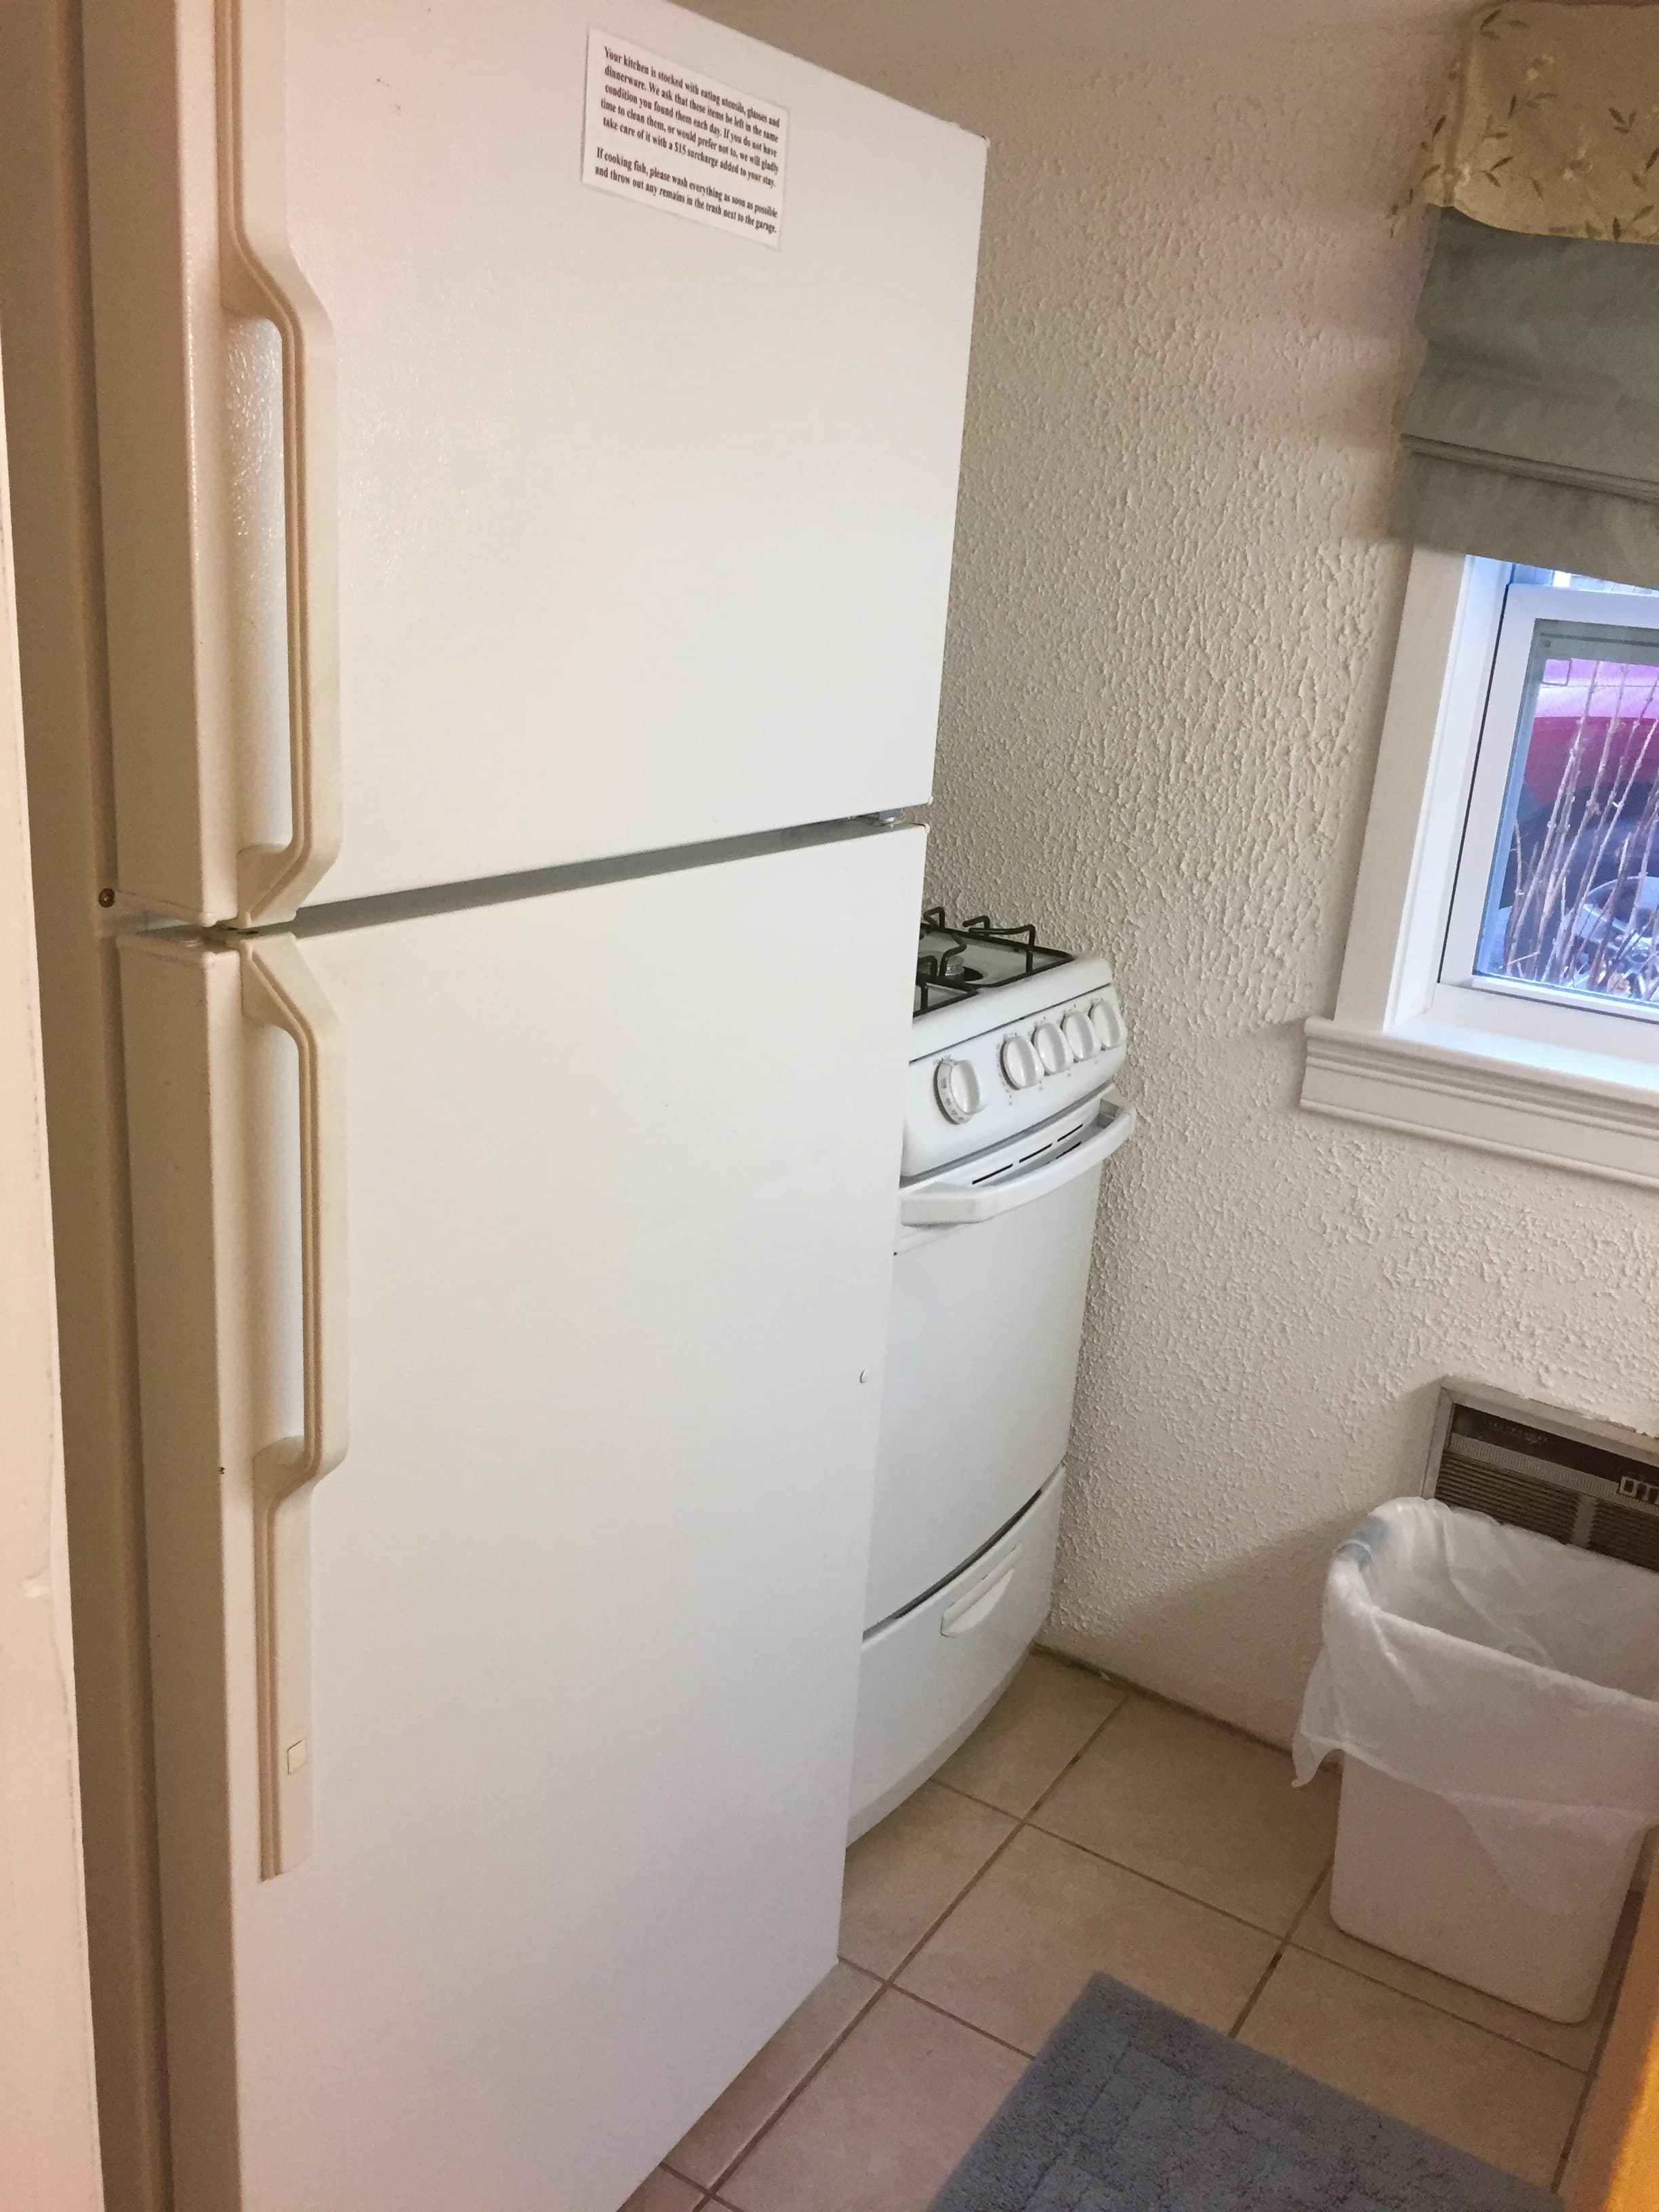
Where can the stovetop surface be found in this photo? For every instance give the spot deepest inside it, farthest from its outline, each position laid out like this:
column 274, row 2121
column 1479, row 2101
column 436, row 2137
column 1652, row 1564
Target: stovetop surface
column 957, row 963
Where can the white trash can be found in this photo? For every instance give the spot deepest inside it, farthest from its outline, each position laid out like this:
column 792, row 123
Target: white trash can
column 1495, row 1697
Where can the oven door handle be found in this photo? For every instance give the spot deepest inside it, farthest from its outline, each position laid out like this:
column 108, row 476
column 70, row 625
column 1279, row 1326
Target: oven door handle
column 945, row 1208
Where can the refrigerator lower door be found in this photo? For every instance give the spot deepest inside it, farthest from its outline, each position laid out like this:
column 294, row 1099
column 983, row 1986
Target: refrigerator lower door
column 591, row 1321
column 406, row 394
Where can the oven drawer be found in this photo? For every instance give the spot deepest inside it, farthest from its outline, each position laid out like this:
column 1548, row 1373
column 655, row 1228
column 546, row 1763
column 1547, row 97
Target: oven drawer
column 982, row 1341
column 929, row 1676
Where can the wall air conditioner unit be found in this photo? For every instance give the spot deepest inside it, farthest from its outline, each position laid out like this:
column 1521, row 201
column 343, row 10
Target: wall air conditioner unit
column 1583, row 1481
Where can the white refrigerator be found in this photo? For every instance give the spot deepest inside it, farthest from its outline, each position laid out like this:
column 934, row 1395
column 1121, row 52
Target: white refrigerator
column 528, row 446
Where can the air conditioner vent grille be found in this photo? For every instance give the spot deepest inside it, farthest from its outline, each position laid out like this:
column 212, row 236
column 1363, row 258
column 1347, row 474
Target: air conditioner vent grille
column 1536, row 1467
column 1537, row 1442
column 1521, row 1500
column 1620, row 1532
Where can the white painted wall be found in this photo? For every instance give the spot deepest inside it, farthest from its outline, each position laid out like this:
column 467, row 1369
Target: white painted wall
column 1174, row 613
column 48, row 2120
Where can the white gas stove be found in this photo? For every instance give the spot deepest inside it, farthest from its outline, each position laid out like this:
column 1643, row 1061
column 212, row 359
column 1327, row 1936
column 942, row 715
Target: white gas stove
column 1010, row 1115
column 1007, row 1034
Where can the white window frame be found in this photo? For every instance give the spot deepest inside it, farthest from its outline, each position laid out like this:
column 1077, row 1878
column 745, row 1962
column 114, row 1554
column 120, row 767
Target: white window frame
column 1413, row 1044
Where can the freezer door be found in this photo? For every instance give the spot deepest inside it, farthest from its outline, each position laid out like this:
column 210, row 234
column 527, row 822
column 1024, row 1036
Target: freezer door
column 583, row 1589
column 464, row 516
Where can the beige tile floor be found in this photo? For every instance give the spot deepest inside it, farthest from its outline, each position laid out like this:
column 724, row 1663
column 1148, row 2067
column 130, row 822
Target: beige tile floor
column 1087, row 1829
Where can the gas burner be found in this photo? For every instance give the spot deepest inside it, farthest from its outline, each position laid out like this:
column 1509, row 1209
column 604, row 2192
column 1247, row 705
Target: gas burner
column 956, row 963
column 938, row 985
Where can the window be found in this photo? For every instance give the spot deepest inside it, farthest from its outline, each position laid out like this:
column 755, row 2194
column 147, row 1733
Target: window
column 1501, row 985
column 1559, row 875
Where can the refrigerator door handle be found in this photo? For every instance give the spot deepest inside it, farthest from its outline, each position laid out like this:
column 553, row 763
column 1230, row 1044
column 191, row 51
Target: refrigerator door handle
column 262, row 279
column 279, row 989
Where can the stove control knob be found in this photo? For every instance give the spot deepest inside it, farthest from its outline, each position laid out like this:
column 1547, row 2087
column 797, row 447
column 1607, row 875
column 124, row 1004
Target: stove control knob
column 1020, row 1064
column 956, row 1086
column 1078, row 1032
column 1052, row 1048
column 1108, row 1023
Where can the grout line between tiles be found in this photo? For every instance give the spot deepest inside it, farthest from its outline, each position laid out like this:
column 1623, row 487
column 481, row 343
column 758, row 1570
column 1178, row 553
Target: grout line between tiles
column 1307, row 1901
column 1283, row 1942
column 1255, row 1998
column 1029, row 1821
column 1133, row 1690
column 1562, row 2163
column 986, row 1804
column 1589, row 2071
column 1270, row 1969
column 1168, row 1887
column 890, row 1981
column 1288, row 1942
column 887, row 1982
column 1416, row 1997
column 1175, row 1704
column 939, row 1919
column 1021, row 1820
column 957, row 2021
column 812, row 2074
column 1083, row 1749
column 1592, row 2074
column 1087, row 1745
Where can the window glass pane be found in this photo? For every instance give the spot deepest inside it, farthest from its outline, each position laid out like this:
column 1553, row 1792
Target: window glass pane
column 1563, row 579
column 1572, row 903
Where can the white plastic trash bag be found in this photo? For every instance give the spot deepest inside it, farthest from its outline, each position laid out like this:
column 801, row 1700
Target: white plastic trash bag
column 1514, row 1677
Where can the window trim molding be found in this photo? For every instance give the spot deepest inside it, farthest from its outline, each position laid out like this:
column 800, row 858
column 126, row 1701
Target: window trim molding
column 1388, row 1056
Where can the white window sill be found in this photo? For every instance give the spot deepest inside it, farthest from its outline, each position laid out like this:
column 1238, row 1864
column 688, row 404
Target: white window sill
column 1585, row 1111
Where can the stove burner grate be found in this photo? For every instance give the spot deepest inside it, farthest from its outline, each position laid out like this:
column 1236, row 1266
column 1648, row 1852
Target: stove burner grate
column 1001, row 953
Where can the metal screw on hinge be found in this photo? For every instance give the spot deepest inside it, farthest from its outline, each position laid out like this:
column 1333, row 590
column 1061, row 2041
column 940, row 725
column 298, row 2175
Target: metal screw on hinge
column 106, row 897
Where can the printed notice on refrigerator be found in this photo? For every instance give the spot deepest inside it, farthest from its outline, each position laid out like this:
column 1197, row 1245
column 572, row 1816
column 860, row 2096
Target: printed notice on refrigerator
column 659, row 132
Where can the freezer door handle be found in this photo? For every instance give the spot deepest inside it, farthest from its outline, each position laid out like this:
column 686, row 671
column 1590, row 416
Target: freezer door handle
column 262, row 279
column 947, row 1208
column 278, row 988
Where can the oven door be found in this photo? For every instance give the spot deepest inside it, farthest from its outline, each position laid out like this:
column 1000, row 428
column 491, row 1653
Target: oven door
column 989, row 1282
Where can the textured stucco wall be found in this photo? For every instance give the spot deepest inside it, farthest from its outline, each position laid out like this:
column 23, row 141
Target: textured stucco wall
column 1174, row 613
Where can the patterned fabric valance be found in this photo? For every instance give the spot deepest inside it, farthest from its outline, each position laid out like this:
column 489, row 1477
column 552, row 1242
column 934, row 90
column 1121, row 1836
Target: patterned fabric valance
column 1551, row 123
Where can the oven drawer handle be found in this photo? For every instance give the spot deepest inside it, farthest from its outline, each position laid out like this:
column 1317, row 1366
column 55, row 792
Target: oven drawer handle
column 943, row 1209
column 977, row 1605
